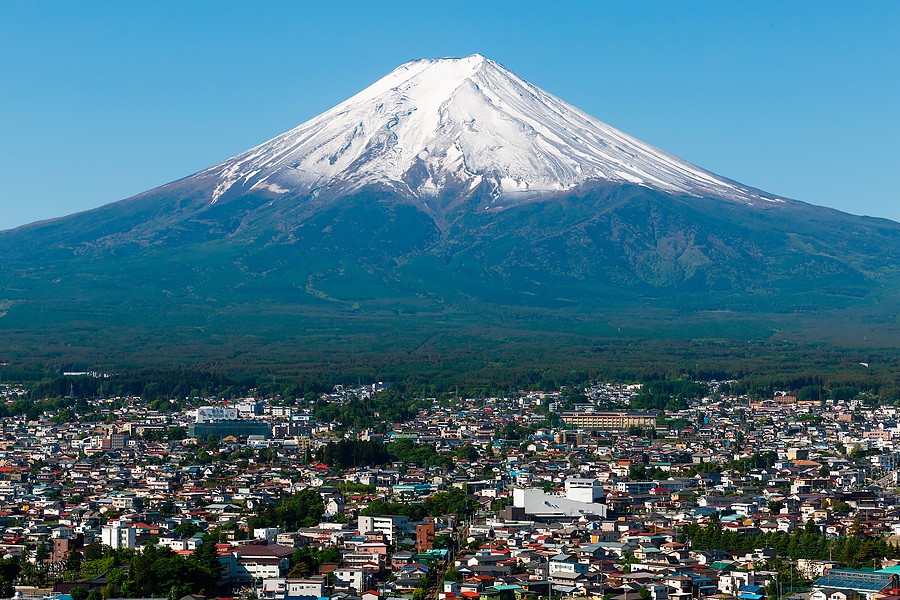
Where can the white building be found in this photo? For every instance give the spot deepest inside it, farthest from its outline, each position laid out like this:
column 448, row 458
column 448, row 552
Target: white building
column 118, row 535
column 270, row 534
column 288, row 589
column 567, row 563
column 584, row 490
column 535, row 503
column 253, row 562
column 393, row 527
column 314, row 586
column 179, row 545
column 352, row 580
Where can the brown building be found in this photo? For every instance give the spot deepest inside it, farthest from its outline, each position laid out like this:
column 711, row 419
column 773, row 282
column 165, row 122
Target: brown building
column 425, row 537
column 63, row 546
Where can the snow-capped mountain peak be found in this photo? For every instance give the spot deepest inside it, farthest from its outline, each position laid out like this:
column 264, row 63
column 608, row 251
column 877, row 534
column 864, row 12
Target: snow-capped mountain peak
column 461, row 124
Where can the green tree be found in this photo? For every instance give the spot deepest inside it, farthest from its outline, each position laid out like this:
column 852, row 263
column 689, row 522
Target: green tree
column 306, row 561
column 415, row 512
column 466, row 452
column 78, row 593
column 186, row 529
column 9, row 572
column 303, row 509
column 453, row 501
column 205, row 559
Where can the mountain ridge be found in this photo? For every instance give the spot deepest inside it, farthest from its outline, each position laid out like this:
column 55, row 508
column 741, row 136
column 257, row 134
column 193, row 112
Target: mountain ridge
column 345, row 251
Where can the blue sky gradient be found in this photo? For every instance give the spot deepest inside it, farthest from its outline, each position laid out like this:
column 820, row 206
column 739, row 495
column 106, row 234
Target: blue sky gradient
column 103, row 100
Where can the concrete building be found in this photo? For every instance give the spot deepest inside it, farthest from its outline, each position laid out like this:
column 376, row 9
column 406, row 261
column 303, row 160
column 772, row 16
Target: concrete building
column 253, row 562
column 393, row 527
column 609, row 420
column 118, row 535
column 531, row 503
column 350, row 580
column 584, row 490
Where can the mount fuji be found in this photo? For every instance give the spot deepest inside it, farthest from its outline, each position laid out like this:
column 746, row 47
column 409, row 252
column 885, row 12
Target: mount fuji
column 465, row 124
column 449, row 199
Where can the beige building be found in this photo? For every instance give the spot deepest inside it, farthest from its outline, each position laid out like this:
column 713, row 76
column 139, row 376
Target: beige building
column 610, row 420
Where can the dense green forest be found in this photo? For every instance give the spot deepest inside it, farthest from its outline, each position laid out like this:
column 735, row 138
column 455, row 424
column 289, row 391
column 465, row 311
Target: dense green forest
column 668, row 369
column 345, row 454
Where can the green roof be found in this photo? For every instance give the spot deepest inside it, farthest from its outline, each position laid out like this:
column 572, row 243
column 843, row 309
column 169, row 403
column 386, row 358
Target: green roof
column 505, row 587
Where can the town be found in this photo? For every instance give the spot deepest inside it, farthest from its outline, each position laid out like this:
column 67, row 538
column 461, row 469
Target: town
column 604, row 492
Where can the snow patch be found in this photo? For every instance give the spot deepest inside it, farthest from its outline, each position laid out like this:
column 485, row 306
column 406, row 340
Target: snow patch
column 272, row 187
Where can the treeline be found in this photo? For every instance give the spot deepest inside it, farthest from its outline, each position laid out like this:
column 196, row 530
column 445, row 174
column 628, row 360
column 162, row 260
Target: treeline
column 665, row 366
column 873, row 387
column 65, row 408
column 346, row 454
column 390, row 405
column 854, row 549
column 421, row 455
column 451, row 502
column 668, row 394
column 182, row 383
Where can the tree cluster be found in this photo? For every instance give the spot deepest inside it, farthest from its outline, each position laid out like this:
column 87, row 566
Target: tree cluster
column 804, row 542
column 303, row 509
column 156, row 571
column 346, row 454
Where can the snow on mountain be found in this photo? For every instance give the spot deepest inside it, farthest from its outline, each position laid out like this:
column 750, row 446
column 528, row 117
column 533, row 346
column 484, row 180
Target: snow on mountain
column 460, row 123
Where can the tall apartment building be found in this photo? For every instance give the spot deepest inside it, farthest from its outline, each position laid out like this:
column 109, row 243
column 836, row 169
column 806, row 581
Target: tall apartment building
column 118, row 535
column 425, row 536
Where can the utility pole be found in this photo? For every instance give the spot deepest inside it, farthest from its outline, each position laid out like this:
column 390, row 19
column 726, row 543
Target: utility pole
column 549, row 585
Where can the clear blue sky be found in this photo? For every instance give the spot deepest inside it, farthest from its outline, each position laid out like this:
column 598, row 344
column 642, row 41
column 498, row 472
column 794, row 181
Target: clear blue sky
column 102, row 100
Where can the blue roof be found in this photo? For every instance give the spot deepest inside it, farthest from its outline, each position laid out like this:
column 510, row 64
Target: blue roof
column 851, row 579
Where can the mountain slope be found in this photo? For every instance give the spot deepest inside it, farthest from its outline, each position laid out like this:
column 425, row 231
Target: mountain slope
column 449, row 196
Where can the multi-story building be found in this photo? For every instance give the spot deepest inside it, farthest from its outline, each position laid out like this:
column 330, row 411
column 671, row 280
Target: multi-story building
column 425, row 536
column 393, row 527
column 608, row 420
column 118, row 535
